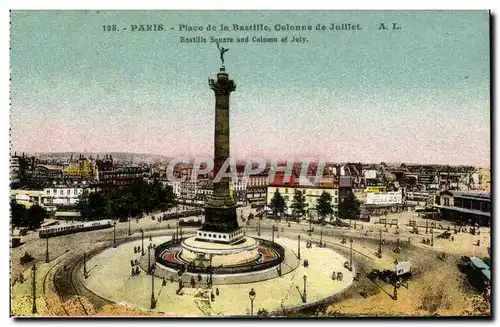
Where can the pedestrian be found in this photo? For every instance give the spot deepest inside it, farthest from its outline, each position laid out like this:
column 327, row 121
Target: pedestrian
column 164, row 282
column 212, row 296
column 133, row 272
column 217, row 291
column 137, row 271
column 193, row 282
column 131, row 263
column 452, row 238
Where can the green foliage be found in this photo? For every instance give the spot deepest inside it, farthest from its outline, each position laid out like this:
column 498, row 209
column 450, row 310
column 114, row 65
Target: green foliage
column 324, row 206
column 126, row 201
column 277, row 203
column 299, row 204
column 350, row 207
column 31, row 218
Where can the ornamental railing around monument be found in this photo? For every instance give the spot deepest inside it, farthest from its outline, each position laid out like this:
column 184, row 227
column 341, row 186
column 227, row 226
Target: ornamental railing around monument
column 245, row 268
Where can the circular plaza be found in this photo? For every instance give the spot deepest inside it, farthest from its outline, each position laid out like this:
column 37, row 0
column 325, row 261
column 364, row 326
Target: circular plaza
column 266, row 275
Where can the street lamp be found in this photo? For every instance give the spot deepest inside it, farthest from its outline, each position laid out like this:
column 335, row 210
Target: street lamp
column 273, row 234
column 142, row 238
column 380, row 245
column 298, row 247
column 149, row 259
column 350, row 259
column 33, row 309
column 432, row 237
column 251, row 295
column 47, row 251
column 258, row 232
column 395, row 296
column 129, row 233
column 85, row 274
column 114, row 234
column 153, row 301
column 304, row 299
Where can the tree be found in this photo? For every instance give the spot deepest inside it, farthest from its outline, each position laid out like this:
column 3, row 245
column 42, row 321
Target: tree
column 324, row 206
column 18, row 213
column 277, row 203
column 126, row 201
column 299, row 204
column 350, row 207
column 35, row 216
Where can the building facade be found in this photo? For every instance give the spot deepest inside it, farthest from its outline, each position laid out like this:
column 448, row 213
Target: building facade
column 257, row 189
column 464, row 207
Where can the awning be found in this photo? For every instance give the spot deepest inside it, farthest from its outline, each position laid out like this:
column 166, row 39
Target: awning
column 472, row 212
column 478, row 263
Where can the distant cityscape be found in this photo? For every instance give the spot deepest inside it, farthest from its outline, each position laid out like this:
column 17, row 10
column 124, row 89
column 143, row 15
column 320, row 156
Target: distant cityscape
column 56, row 180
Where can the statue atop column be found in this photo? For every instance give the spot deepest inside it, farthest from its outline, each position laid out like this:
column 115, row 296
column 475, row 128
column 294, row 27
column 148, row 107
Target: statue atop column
column 222, row 51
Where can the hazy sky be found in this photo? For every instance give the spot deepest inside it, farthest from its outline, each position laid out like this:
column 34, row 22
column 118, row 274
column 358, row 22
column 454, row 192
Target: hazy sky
column 419, row 94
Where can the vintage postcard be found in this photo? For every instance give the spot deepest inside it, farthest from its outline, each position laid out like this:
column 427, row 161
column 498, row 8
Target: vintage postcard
column 250, row 163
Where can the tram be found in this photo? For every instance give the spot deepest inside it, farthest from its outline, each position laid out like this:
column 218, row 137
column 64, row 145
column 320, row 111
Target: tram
column 64, row 229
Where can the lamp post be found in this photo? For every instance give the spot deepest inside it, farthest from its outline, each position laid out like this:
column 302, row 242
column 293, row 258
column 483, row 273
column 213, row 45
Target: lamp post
column 251, row 295
column 432, row 236
column 321, row 238
column 33, row 309
column 310, row 222
column 85, row 274
column 47, row 250
column 149, row 259
column 298, row 247
column 114, row 234
column 304, row 299
column 258, row 232
column 426, row 225
column 395, row 296
column 210, row 269
column 350, row 258
column 380, row 245
column 273, row 234
column 142, row 238
column 129, row 233
column 153, row 300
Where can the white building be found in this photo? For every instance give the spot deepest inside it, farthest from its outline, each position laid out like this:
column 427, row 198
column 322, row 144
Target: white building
column 14, row 170
column 176, row 187
column 28, row 198
column 65, row 195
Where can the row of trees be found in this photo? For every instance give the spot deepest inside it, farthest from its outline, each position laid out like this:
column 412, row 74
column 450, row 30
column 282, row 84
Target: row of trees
column 126, row 201
column 348, row 208
column 31, row 218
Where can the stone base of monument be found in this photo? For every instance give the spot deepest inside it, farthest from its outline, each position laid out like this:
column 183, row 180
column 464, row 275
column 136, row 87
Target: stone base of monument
column 230, row 238
column 222, row 254
column 224, row 263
